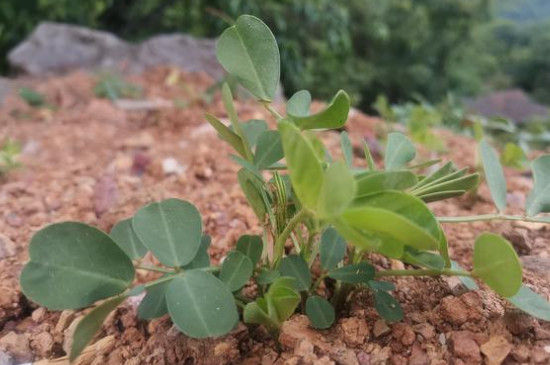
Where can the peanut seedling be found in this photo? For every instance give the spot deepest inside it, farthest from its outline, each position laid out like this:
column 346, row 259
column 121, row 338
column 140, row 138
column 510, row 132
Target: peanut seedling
column 310, row 207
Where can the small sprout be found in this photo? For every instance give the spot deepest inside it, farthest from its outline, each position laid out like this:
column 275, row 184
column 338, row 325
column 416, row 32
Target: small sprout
column 32, row 97
column 113, row 87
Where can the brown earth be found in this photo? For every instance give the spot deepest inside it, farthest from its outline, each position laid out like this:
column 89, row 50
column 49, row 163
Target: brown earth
column 89, row 160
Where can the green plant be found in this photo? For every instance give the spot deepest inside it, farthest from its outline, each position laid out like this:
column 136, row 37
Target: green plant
column 326, row 210
column 113, row 87
column 8, row 156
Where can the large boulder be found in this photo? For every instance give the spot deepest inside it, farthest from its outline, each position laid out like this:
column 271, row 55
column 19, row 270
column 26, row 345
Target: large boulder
column 55, row 48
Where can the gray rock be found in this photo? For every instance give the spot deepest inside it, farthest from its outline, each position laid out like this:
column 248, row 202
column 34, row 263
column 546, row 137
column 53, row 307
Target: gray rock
column 184, row 51
column 55, row 48
column 6, row 87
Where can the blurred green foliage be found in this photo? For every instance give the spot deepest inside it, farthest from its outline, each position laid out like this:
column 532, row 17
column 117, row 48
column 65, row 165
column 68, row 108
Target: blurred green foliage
column 399, row 48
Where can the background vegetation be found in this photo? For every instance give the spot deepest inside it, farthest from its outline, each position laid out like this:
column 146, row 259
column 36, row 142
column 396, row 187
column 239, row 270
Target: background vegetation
column 400, row 48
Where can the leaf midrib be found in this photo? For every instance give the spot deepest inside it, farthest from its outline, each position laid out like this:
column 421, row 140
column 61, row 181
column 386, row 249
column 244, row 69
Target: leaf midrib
column 93, row 274
column 249, row 59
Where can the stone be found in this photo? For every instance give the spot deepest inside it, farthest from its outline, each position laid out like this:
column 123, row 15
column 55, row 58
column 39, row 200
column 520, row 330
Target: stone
column 184, row 51
column 519, row 240
column 45, row 50
column 521, row 353
column 7, row 247
column 380, row 328
column 5, row 358
column 6, row 88
column 355, row 331
column 453, row 310
column 404, row 334
column 496, row 350
column 463, row 345
column 17, row 346
column 42, row 344
column 418, row 356
column 38, row 314
column 297, row 329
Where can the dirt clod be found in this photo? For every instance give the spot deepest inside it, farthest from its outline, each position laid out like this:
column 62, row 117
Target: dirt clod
column 496, row 350
column 16, row 345
column 463, row 345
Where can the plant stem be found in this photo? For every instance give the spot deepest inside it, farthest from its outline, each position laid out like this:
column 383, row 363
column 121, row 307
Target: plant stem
column 490, row 217
column 281, row 239
column 160, row 281
column 154, row 268
column 422, row 272
column 273, row 112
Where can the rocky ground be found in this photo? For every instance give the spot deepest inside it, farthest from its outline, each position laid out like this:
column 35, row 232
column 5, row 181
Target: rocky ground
column 90, row 160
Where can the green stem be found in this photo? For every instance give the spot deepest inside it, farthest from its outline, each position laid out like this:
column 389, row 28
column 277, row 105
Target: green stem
column 490, row 217
column 273, row 112
column 160, row 281
column 281, row 239
column 423, row 272
column 318, row 282
column 154, row 268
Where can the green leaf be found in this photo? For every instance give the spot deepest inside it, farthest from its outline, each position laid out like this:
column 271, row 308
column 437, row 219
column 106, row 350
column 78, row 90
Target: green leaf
column 338, row 190
column 269, row 149
column 465, row 280
column 387, row 306
column 73, row 265
column 283, row 297
column 125, row 237
column 257, row 313
column 497, row 264
column 397, row 215
column 494, row 174
column 381, row 285
column 236, row 270
column 153, row 304
column 299, row 104
column 442, row 171
column 320, row 312
column 538, row 200
column 462, row 183
column 368, row 156
column 433, row 197
column 252, row 189
column 253, row 129
column 277, row 305
column 295, row 267
column 202, row 259
column 91, row 324
column 513, row 156
column 399, row 151
column 201, row 305
column 247, row 165
column 531, row 303
column 332, row 249
column 354, row 273
column 171, row 230
column 384, row 180
column 251, row 246
column 347, row 148
column 227, row 134
column 423, row 259
column 248, row 51
column 305, row 170
column 267, row 277
column 334, row 116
